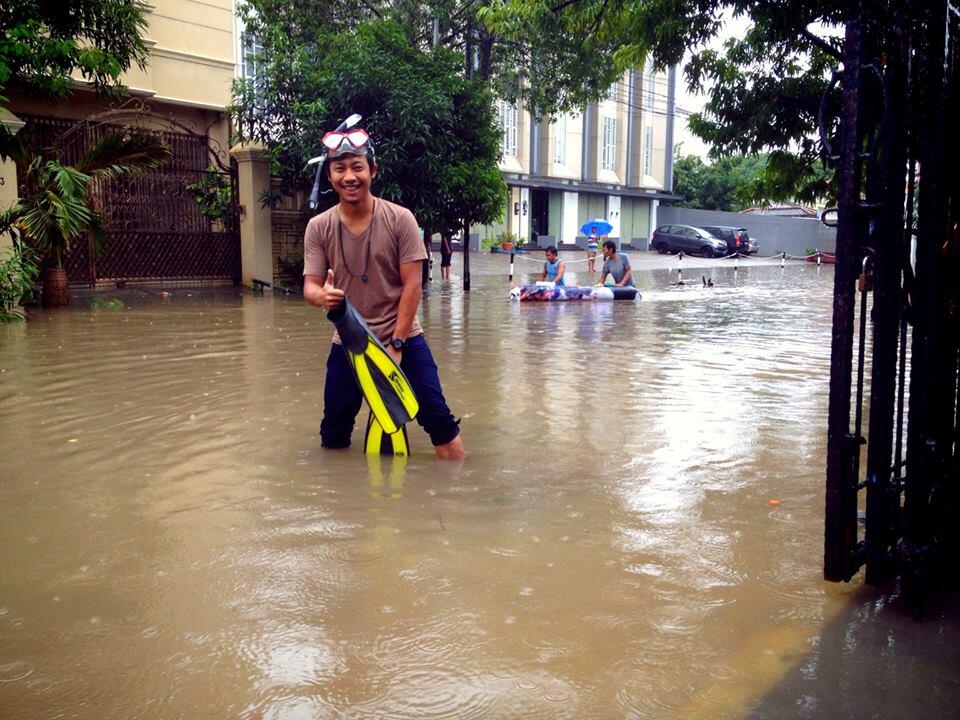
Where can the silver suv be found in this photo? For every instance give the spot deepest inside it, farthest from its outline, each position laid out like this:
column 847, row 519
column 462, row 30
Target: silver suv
column 688, row 239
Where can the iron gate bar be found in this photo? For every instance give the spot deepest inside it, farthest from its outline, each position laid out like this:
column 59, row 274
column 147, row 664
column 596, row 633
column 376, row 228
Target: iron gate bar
column 922, row 433
column 881, row 532
column 840, row 516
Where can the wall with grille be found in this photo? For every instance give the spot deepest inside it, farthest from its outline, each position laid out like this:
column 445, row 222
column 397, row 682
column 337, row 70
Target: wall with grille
column 288, row 220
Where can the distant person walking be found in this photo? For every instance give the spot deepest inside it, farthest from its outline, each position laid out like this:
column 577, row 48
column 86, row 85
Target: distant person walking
column 593, row 240
column 446, row 255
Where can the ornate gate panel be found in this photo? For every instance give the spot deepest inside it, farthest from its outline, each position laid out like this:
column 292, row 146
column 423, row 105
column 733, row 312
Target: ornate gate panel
column 159, row 230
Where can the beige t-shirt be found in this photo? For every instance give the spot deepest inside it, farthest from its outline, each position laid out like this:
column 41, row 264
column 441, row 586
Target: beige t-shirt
column 392, row 238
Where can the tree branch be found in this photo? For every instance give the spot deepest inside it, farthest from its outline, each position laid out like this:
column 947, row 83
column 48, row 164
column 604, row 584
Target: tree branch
column 456, row 16
column 822, row 44
column 372, row 9
column 564, row 4
column 598, row 18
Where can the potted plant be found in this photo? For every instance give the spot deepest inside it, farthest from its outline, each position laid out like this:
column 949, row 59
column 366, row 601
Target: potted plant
column 491, row 243
column 507, row 241
column 56, row 209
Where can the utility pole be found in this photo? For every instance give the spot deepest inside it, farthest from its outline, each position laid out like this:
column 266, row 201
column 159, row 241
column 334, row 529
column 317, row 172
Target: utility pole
column 468, row 44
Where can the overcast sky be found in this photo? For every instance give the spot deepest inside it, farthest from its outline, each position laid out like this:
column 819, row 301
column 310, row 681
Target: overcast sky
column 692, row 145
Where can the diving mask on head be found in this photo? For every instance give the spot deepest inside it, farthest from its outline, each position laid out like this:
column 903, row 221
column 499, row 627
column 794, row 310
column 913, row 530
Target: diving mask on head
column 351, row 142
column 345, row 140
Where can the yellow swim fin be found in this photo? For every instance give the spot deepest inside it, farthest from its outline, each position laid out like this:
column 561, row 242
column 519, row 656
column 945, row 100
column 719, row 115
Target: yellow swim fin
column 378, row 442
column 382, row 382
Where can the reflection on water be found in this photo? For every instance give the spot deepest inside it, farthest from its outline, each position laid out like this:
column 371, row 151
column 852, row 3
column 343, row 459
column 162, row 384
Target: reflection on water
column 172, row 536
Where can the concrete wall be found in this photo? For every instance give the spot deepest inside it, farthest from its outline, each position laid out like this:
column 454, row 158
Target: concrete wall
column 775, row 234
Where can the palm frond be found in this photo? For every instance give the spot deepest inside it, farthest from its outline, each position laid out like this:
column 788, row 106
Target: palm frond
column 116, row 153
column 71, row 181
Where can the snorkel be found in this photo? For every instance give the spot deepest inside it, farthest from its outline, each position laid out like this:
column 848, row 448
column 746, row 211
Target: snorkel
column 320, row 160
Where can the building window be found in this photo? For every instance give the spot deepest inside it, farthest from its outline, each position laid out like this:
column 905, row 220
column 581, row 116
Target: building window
column 252, row 53
column 508, row 129
column 612, row 93
column 648, row 150
column 560, row 140
column 608, row 157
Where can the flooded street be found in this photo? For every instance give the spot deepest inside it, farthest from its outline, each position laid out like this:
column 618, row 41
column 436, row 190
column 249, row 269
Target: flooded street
column 637, row 533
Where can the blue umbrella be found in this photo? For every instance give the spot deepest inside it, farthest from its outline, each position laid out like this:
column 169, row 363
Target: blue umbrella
column 602, row 226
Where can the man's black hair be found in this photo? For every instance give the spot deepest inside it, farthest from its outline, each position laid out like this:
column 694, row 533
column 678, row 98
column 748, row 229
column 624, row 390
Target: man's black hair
column 610, row 244
column 553, row 249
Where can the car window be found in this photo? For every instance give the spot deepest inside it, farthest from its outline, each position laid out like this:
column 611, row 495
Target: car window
column 664, row 229
column 690, row 232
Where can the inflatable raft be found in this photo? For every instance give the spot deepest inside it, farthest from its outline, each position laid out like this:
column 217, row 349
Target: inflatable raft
column 550, row 292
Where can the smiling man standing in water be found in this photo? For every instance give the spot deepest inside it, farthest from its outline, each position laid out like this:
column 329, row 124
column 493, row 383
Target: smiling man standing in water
column 369, row 250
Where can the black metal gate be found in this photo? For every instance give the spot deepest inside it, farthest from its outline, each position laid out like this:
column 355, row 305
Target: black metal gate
column 896, row 329
column 178, row 222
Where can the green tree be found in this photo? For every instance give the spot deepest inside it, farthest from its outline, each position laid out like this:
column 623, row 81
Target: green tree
column 726, row 184
column 42, row 42
column 433, row 128
column 764, row 88
column 765, row 91
column 573, row 50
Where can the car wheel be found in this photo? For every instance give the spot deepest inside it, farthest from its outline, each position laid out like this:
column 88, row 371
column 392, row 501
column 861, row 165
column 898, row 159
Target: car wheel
column 663, row 248
column 706, row 251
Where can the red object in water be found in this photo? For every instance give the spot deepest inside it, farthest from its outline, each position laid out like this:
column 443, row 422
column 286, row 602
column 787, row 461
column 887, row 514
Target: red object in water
column 825, row 258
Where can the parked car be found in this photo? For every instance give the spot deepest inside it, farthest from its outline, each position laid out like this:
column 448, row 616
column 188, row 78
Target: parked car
column 688, row 239
column 738, row 239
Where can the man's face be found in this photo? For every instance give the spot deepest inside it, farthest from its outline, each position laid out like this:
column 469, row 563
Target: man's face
column 350, row 176
column 551, row 256
column 607, row 252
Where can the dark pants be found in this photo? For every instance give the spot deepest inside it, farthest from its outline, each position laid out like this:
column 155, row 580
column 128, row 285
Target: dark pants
column 342, row 397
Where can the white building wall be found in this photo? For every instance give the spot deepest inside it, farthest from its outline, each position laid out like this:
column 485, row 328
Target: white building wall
column 571, row 216
column 613, row 214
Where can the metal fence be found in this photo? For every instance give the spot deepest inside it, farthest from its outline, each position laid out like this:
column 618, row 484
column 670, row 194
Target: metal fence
column 896, row 335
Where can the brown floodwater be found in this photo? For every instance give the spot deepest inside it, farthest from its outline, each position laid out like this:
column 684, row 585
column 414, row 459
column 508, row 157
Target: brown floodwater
column 174, row 543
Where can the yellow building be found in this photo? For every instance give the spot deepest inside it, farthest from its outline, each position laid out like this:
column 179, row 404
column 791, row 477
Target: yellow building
column 193, row 59
column 613, row 160
column 182, row 93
